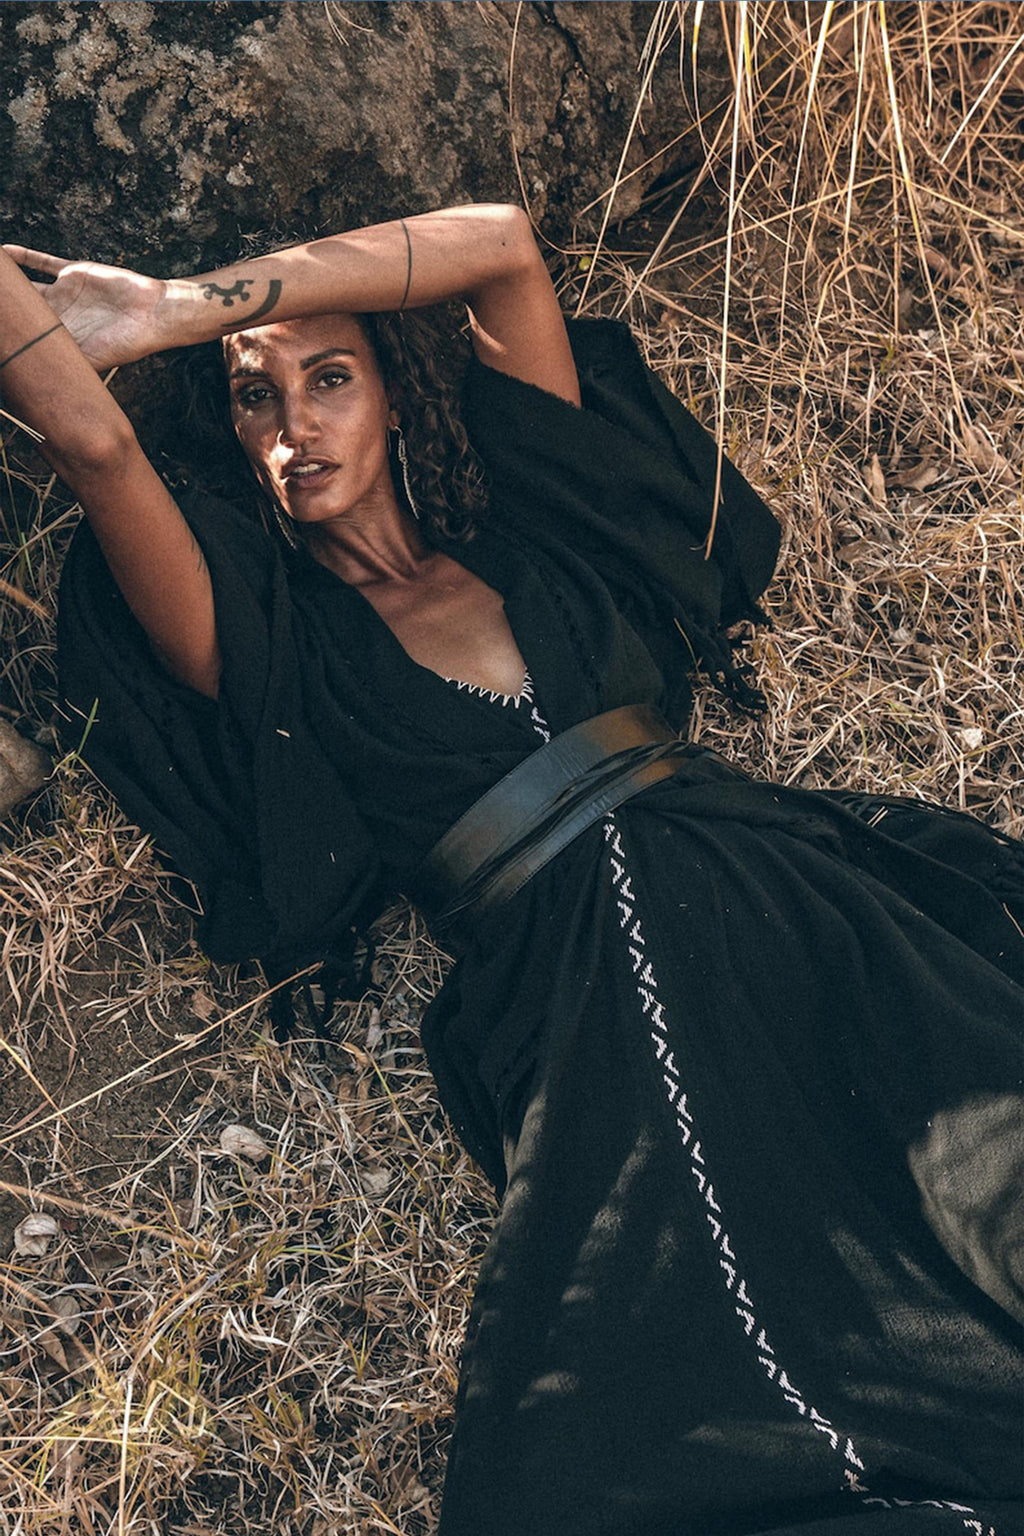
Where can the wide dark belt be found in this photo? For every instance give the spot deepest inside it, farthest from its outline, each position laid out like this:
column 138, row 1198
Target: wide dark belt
column 535, row 811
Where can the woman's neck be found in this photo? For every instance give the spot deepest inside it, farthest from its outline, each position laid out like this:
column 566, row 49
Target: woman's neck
column 367, row 549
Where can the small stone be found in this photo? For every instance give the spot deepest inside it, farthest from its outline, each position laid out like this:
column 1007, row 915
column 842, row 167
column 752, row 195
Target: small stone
column 23, row 768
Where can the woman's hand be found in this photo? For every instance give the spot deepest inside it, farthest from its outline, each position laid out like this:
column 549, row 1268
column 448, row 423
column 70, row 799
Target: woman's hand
column 110, row 312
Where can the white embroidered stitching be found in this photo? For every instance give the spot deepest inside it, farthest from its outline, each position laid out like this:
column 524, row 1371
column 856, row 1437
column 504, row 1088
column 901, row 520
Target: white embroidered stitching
column 539, row 724
column 653, row 1010
column 513, row 700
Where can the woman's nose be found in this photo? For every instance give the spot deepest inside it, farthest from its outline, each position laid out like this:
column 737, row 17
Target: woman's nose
column 298, row 420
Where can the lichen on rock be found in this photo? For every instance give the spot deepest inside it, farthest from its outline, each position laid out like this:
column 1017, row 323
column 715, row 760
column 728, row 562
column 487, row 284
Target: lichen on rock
column 159, row 134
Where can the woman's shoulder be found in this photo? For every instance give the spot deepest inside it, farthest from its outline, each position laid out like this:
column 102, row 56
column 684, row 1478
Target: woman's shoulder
column 630, row 478
column 209, row 511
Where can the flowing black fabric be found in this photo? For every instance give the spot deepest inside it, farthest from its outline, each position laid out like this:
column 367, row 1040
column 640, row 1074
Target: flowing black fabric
column 712, row 1302
column 297, row 803
column 732, row 1057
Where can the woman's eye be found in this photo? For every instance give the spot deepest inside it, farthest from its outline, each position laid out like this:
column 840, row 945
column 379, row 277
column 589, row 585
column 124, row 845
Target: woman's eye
column 252, row 395
column 334, row 377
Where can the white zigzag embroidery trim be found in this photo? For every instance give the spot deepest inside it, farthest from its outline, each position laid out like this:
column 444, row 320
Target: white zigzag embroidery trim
column 539, row 724
column 509, row 700
column 735, row 1283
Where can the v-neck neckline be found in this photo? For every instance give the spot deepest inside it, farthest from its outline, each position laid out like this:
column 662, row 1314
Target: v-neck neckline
column 456, row 553
column 500, row 568
column 535, row 610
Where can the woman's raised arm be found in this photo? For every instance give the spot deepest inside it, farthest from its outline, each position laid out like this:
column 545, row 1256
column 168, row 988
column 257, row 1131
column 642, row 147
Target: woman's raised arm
column 88, row 440
column 485, row 255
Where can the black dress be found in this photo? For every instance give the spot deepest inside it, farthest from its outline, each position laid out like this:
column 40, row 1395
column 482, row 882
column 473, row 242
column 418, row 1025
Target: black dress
column 712, row 1055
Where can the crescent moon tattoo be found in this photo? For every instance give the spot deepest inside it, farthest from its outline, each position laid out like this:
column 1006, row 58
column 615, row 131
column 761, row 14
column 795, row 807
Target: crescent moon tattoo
column 273, row 294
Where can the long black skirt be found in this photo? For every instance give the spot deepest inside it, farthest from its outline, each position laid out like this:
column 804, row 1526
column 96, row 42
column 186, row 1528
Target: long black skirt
column 755, row 1070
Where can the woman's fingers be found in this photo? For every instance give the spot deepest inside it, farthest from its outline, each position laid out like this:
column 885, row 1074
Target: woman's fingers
column 39, row 261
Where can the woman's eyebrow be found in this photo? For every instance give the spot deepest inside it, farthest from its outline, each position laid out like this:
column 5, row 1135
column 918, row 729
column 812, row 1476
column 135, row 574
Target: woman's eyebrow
column 319, row 357
column 241, row 372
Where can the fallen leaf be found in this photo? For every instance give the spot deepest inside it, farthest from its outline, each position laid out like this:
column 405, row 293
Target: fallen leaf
column 363, row 1119
column 32, row 1236
column 860, row 549
column 185, row 1213
column 374, row 1180
column 203, row 1005
column 240, row 1141
column 919, row 478
column 53, row 1347
column 874, row 479
column 982, row 453
column 939, row 264
column 68, row 1313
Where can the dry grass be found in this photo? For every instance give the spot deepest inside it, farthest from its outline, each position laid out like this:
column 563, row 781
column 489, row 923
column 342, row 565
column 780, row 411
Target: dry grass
column 211, row 1343
column 849, row 314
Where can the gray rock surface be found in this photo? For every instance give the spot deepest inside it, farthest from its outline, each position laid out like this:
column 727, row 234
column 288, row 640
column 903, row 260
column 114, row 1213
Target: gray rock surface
column 157, row 134
column 23, row 768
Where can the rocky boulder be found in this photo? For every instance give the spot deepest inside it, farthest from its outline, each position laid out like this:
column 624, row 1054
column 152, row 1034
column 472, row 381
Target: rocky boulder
column 158, row 134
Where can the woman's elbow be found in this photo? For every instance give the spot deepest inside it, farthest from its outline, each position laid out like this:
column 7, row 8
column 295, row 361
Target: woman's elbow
column 93, row 451
column 501, row 235
column 516, row 234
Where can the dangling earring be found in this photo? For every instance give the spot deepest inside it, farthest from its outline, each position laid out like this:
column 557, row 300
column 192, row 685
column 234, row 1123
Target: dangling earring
column 284, row 523
column 403, row 461
column 272, row 516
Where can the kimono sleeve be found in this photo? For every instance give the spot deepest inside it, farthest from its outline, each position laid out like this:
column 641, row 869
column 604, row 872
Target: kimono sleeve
column 628, row 481
column 236, row 792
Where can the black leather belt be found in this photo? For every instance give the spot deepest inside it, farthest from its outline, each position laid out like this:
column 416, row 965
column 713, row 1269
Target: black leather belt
column 535, row 811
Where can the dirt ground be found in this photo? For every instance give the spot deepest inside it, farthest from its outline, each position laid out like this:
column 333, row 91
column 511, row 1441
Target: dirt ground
column 243, row 1306
column 104, row 1078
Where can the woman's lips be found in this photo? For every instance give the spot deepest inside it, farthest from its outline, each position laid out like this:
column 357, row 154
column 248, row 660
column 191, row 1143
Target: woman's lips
column 308, row 477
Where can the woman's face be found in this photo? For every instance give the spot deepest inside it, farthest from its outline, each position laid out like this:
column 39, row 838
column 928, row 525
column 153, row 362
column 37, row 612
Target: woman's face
column 311, row 412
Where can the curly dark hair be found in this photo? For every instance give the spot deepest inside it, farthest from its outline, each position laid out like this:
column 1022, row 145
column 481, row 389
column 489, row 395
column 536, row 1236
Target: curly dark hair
column 422, row 360
column 422, row 356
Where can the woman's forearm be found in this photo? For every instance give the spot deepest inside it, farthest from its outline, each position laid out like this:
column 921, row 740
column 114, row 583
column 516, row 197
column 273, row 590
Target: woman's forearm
column 46, row 381
column 89, row 441
column 485, row 255
column 454, row 253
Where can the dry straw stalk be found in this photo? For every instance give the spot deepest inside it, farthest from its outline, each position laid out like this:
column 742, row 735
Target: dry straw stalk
column 218, row 1342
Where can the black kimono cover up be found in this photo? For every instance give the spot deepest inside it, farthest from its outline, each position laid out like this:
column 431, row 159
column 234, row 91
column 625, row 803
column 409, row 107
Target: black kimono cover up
column 723, row 1056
